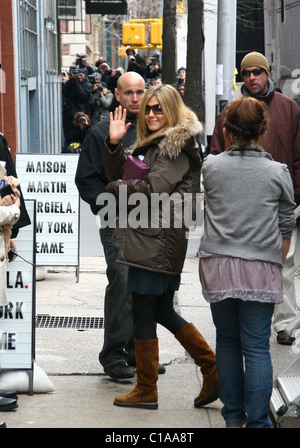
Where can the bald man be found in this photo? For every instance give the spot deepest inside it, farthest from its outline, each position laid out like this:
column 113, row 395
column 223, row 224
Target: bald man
column 91, row 180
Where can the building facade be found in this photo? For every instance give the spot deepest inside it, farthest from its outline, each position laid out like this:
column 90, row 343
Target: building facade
column 30, row 112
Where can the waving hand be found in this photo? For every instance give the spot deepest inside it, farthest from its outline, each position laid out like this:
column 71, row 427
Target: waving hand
column 118, row 127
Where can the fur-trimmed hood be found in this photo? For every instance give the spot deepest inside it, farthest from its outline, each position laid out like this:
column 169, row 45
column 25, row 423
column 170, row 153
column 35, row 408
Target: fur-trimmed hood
column 177, row 137
column 182, row 138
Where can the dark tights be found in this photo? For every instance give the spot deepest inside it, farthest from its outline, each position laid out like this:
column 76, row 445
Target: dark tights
column 149, row 309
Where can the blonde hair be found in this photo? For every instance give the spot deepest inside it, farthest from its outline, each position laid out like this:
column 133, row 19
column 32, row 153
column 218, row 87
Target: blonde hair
column 174, row 109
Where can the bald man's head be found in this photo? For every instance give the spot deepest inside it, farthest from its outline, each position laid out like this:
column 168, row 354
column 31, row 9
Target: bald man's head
column 130, row 91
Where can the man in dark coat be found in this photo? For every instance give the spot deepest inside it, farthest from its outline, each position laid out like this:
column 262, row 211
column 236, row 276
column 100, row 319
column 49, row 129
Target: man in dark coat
column 91, row 180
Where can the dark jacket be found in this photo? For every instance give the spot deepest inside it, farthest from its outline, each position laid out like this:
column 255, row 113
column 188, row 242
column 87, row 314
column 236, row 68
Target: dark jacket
column 76, row 97
column 160, row 247
column 11, row 171
column 91, row 177
column 138, row 65
column 282, row 140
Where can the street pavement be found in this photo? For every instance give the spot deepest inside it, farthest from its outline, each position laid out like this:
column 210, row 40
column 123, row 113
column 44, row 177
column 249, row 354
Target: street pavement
column 83, row 395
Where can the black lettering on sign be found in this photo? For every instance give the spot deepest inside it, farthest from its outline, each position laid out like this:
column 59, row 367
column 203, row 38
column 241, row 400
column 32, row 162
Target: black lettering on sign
column 49, row 248
column 7, row 311
column 53, row 207
column 47, row 187
column 7, row 341
column 16, row 282
column 60, row 227
column 46, row 167
column 39, row 227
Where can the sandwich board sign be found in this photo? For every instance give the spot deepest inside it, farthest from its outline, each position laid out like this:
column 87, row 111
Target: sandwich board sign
column 17, row 319
column 49, row 179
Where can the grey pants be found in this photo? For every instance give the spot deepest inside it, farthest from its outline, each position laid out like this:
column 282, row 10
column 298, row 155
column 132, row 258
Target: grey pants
column 118, row 322
column 287, row 311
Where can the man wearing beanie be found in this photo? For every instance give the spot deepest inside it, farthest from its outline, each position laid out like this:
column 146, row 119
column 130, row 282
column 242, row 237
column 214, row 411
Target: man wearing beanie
column 282, row 141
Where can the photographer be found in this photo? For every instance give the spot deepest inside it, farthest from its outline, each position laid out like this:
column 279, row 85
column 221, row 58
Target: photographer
column 153, row 69
column 83, row 64
column 100, row 101
column 136, row 63
column 80, row 126
column 75, row 94
column 106, row 72
column 83, row 91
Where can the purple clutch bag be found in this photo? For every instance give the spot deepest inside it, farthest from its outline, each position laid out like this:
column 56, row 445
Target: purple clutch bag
column 135, row 168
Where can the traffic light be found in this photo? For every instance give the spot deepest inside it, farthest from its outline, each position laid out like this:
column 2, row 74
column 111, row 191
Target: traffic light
column 122, row 52
column 156, row 33
column 133, row 34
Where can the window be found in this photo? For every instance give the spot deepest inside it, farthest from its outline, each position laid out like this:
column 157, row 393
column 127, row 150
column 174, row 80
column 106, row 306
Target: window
column 51, row 37
column 28, row 23
column 69, row 9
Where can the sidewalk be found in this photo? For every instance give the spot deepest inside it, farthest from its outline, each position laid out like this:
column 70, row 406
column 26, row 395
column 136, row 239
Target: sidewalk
column 83, row 396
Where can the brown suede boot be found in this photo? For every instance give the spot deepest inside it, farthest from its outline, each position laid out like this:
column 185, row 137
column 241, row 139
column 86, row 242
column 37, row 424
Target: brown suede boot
column 144, row 394
column 196, row 346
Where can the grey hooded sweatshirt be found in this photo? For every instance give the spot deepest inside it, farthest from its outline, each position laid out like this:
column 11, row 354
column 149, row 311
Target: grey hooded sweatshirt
column 249, row 204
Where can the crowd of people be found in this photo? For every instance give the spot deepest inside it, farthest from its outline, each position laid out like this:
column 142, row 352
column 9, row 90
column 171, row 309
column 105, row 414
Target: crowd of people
column 246, row 254
column 89, row 90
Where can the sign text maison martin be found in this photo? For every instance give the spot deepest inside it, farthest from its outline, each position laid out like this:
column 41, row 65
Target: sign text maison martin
column 50, row 207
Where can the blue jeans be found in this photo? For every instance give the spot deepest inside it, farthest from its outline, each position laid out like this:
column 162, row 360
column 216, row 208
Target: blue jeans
column 118, row 321
column 245, row 373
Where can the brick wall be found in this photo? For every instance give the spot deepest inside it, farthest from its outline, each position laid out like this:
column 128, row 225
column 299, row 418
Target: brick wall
column 8, row 109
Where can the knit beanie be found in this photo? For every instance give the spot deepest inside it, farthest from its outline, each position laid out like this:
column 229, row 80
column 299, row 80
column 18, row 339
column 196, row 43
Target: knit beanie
column 255, row 59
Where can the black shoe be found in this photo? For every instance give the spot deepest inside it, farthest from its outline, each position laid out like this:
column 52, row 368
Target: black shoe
column 284, row 338
column 7, row 404
column 119, row 371
column 8, row 394
column 2, row 425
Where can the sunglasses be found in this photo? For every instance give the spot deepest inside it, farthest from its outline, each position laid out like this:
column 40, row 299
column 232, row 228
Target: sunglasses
column 156, row 109
column 255, row 72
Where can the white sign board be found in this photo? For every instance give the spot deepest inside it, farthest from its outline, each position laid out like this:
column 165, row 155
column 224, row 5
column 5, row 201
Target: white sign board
column 17, row 319
column 49, row 179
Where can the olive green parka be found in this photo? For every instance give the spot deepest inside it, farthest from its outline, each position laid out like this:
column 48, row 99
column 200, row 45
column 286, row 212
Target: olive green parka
column 159, row 242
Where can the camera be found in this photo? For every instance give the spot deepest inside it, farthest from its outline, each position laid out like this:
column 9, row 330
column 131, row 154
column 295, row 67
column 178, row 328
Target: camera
column 99, row 88
column 80, row 58
column 117, row 73
column 6, row 190
column 11, row 254
column 74, row 71
column 81, row 120
column 131, row 58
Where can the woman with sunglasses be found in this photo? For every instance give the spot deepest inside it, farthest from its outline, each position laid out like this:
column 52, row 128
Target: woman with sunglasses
column 155, row 253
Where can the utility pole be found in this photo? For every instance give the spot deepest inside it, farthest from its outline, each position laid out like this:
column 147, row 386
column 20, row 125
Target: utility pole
column 226, row 60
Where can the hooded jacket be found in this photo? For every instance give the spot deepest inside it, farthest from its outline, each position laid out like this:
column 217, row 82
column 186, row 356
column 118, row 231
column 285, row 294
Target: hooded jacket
column 282, row 139
column 158, row 244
